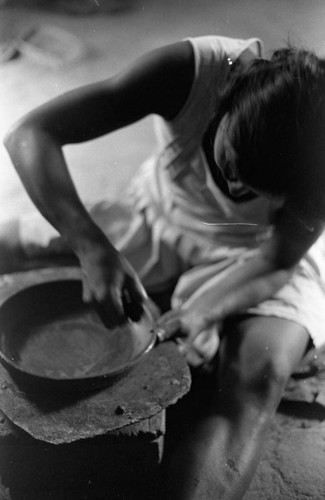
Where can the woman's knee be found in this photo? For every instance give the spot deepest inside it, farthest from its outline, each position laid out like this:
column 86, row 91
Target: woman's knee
column 254, row 366
column 262, row 381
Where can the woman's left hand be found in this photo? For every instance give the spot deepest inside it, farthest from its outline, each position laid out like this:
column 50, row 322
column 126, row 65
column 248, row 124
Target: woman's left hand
column 195, row 333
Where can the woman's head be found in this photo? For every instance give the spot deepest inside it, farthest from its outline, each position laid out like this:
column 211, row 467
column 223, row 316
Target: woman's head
column 275, row 121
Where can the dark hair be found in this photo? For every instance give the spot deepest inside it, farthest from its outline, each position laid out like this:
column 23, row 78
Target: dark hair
column 277, row 111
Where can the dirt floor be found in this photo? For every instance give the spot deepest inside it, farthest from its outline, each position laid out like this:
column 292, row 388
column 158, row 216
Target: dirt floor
column 101, row 40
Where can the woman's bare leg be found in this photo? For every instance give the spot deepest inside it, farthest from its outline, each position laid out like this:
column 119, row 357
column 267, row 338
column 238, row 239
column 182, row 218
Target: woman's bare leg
column 218, row 455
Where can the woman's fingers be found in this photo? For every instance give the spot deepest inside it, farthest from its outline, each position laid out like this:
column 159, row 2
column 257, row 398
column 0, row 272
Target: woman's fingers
column 182, row 323
column 202, row 349
column 169, row 326
column 206, row 343
column 133, row 297
column 192, row 357
column 107, row 302
column 109, row 307
column 198, row 340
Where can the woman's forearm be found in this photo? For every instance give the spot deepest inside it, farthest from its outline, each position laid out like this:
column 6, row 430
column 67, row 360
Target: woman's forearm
column 248, row 283
column 40, row 164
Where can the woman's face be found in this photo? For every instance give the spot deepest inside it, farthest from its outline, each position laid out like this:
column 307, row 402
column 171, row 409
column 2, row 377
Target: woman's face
column 226, row 160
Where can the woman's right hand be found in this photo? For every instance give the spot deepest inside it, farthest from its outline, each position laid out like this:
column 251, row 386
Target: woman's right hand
column 111, row 285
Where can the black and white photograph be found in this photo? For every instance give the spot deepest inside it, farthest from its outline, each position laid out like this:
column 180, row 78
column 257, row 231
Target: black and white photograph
column 162, row 250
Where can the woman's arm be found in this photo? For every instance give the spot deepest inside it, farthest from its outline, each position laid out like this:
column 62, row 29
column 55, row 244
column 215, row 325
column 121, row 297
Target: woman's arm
column 157, row 83
column 248, row 283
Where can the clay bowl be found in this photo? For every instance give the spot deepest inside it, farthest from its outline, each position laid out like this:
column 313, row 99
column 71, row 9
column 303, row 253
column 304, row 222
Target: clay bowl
column 50, row 339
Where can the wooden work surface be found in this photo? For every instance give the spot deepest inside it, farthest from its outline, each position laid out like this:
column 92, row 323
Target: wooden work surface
column 156, row 382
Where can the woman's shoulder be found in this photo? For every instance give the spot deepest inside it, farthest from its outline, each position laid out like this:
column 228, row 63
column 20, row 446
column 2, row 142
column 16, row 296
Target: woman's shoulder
column 215, row 47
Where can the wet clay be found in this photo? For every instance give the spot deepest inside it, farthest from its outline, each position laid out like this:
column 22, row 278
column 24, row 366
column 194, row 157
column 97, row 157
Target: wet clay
column 47, row 330
column 74, row 346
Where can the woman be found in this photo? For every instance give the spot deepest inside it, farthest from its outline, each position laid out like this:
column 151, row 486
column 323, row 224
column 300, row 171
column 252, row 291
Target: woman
column 225, row 215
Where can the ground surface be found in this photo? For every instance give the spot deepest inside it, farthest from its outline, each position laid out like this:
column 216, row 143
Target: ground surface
column 292, row 468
